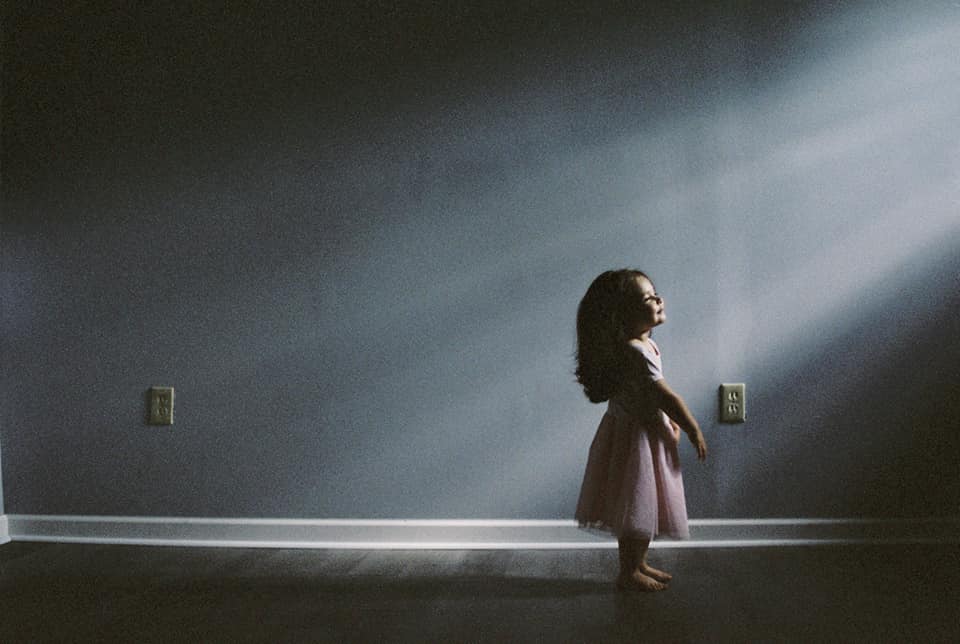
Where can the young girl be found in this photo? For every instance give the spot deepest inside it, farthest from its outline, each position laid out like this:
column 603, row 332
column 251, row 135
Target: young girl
column 632, row 486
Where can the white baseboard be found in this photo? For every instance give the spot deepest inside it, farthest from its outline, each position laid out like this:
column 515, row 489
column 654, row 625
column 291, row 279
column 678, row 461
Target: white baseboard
column 4, row 530
column 460, row 534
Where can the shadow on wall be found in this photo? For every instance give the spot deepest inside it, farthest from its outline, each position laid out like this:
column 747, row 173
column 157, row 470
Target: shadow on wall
column 867, row 424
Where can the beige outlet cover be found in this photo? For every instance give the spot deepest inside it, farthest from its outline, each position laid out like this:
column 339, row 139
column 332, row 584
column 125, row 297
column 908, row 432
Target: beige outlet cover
column 733, row 402
column 161, row 406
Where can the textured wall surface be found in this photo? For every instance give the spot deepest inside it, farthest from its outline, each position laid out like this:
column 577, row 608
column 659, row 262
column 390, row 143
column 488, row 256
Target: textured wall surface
column 354, row 241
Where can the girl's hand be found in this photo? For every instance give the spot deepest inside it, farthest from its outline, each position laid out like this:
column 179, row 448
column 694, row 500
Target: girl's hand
column 676, row 431
column 698, row 442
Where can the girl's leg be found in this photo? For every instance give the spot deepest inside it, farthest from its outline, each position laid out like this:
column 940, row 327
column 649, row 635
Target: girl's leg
column 647, row 569
column 633, row 554
column 628, row 557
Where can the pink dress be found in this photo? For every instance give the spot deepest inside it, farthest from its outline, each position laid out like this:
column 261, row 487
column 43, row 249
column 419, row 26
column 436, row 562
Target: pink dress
column 632, row 486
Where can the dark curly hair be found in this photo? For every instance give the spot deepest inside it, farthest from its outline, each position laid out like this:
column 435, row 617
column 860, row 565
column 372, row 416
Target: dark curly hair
column 607, row 306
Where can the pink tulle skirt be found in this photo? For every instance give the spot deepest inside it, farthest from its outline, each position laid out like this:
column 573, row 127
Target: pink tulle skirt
column 633, row 486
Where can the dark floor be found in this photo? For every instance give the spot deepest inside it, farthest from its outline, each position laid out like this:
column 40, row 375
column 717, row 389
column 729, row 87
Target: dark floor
column 90, row 593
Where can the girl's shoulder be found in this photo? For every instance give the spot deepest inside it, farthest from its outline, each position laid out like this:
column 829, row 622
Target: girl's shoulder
column 647, row 348
column 645, row 364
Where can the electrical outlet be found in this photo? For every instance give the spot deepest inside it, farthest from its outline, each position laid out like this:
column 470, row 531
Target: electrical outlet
column 161, row 406
column 733, row 403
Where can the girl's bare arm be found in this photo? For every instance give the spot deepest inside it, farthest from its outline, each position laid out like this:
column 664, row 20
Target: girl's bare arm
column 672, row 404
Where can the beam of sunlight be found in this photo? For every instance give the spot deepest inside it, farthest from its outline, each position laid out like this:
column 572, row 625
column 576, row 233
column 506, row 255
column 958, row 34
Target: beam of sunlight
column 897, row 140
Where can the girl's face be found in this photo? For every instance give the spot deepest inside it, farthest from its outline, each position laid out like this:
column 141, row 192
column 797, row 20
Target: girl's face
column 649, row 312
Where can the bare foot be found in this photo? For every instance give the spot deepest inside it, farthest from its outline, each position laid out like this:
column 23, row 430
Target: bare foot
column 650, row 571
column 639, row 582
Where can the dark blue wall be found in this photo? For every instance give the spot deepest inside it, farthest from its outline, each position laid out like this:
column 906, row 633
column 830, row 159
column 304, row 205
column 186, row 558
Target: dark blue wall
column 354, row 241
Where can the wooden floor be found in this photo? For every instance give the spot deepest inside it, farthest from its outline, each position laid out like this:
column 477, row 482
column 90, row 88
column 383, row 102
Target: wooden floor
column 94, row 593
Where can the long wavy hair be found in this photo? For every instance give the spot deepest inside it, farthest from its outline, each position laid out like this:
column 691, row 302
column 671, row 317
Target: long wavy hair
column 605, row 310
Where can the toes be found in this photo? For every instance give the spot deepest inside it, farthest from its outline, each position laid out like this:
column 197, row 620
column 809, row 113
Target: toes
column 639, row 582
column 659, row 575
column 647, row 583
